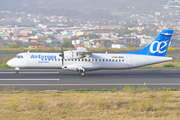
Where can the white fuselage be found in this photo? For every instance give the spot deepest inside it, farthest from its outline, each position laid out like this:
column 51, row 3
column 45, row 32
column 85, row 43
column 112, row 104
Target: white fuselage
column 94, row 62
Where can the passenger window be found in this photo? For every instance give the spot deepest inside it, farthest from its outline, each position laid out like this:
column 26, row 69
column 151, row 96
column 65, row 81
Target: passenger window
column 99, row 60
column 119, row 60
column 75, row 59
column 45, row 59
column 72, row 59
column 68, row 59
column 65, row 59
column 21, row 56
column 85, row 59
column 96, row 60
column 58, row 59
column 123, row 60
column 103, row 60
column 92, row 59
column 49, row 59
column 82, row 59
column 106, row 60
column 42, row 59
column 89, row 59
column 78, row 59
column 116, row 60
column 55, row 59
column 113, row 60
column 109, row 60
column 52, row 59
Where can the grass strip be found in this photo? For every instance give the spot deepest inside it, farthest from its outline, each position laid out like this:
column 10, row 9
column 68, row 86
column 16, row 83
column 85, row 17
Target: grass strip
column 130, row 103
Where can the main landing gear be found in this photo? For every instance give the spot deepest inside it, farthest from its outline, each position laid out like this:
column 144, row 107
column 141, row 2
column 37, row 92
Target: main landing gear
column 82, row 72
column 16, row 70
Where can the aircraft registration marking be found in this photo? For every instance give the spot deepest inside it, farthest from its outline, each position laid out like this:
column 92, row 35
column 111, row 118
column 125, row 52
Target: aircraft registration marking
column 43, row 62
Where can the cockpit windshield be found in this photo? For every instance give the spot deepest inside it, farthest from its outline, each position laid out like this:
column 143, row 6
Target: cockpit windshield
column 18, row 56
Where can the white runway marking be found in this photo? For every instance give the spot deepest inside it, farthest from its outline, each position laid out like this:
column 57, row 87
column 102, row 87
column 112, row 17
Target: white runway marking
column 31, row 79
column 28, row 72
column 86, row 84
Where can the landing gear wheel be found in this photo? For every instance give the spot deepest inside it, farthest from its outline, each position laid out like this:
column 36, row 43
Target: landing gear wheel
column 82, row 74
column 16, row 71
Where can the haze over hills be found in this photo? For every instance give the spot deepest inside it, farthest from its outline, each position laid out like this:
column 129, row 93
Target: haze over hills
column 83, row 8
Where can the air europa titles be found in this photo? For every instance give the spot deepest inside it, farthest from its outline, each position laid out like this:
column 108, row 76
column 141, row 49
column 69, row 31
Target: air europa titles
column 43, row 57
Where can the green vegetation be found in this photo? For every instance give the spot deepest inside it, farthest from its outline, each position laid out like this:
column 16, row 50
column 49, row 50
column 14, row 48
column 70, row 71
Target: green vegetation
column 67, row 44
column 3, row 64
column 125, row 89
column 15, row 46
column 168, row 65
column 88, row 90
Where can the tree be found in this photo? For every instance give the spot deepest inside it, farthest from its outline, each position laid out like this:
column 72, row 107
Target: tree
column 52, row 37
column 11, row 34
column 129, row 45
column 34, row 33
column 15, row 46
column 67, row 43
column 91, row 36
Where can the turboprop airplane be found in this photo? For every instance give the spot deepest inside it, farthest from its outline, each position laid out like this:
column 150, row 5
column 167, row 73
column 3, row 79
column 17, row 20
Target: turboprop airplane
column 81, row 60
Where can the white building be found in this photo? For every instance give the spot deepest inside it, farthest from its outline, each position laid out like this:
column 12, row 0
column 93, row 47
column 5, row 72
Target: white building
column 118, row 46
column 74, row 42
column 145, row 41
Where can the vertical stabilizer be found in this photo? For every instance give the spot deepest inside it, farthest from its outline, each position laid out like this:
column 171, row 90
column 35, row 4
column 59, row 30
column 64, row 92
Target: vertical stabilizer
column 158, row 47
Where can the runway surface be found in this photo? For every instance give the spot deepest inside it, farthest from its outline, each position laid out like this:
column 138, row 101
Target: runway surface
column 63, row 80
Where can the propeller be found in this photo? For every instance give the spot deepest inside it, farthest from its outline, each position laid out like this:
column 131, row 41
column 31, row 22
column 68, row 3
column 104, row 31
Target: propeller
column 62, row 55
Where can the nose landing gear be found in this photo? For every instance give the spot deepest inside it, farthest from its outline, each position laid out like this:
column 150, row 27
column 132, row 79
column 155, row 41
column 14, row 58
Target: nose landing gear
column 16, row 70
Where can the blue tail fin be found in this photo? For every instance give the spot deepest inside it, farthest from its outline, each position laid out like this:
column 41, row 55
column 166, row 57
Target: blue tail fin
column 158, row 47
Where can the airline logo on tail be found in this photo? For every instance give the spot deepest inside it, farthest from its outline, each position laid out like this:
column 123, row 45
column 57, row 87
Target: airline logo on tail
column 158, row 46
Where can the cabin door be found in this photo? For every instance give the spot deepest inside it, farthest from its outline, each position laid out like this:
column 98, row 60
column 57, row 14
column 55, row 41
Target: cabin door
column 129, row 61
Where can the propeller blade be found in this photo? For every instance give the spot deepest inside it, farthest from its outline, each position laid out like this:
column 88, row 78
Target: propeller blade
column 62, row 55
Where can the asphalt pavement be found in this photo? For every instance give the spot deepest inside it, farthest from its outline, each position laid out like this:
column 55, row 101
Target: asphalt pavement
column 62, row 80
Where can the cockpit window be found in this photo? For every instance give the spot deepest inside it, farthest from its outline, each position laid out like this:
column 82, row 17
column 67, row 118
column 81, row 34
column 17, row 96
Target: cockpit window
column 18, row 56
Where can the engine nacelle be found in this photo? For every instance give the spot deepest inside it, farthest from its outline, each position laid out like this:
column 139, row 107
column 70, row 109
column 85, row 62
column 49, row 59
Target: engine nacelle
column 80, row 52
column 71, row 54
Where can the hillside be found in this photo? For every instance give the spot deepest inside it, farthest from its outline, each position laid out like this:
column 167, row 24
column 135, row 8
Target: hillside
column 83, row 7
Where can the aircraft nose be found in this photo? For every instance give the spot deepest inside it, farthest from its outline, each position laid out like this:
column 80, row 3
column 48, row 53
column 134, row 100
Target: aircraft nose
column 9, row 63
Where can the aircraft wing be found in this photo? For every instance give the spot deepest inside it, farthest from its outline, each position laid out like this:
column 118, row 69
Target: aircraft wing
column 83, row 52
